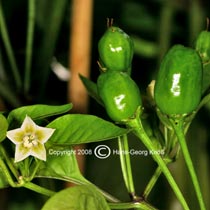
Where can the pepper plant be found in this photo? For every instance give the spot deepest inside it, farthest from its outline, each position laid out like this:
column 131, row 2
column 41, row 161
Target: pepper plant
column 37, row 141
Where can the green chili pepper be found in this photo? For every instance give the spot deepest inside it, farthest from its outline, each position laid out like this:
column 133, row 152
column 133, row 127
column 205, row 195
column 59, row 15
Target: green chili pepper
column 178, row 86
column 202, row 45
column 120, row 95
column 115, row 50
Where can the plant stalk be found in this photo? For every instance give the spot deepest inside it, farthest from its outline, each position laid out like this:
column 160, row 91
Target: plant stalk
column 179, row 130
column 137, row 205
column 126, row 164
column 38, row 189
column 138, row 129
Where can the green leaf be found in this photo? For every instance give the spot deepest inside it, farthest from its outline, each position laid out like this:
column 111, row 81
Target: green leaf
column 77, row 128
column 91, row 88
column 3, row 127
column 38, row 111
column 77, row 198
column 67, row 171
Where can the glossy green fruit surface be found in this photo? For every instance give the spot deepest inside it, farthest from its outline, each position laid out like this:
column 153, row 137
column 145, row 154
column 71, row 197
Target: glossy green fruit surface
column 115, row 50
column 120, row 95
column 203, row 46
column 178, row 86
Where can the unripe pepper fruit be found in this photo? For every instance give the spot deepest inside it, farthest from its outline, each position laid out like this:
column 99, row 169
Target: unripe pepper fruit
column 202, row 45
column 178, row 86
column 115, row 50
column 120, row 95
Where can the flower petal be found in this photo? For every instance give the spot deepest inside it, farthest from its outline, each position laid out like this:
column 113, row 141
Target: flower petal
column 29, row 140
column 21, row 152
column 39, row 151
column 43, row 134
column 16, row 135
column 28, row 125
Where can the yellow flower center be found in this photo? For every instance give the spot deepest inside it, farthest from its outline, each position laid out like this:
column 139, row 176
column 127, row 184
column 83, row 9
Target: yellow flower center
column 30, row 140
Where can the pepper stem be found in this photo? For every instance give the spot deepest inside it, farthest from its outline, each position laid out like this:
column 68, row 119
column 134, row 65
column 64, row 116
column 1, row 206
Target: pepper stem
column 126, row 165
column 143, row 205
column 179, row 130
column 139, row 131
column 152, row 182
column 38, row 189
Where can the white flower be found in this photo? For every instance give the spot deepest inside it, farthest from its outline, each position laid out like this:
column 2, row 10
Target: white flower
column 29, row 140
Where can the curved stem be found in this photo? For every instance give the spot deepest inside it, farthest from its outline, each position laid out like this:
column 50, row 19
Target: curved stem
column 152, row 182
column 137, row 205
column 28, row 185
column 179, row 130
column 8, row 162
column 38, row 189
column 154, row 179
column 36, row 167
column 136, row 125
column 7, row 174
column 126, row 165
